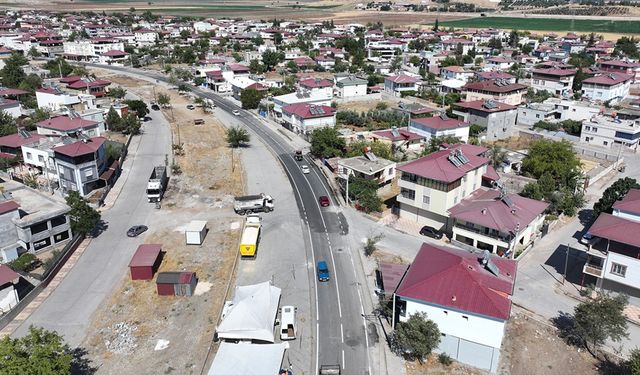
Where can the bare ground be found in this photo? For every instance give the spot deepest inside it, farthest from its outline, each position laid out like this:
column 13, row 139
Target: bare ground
column 126, row 330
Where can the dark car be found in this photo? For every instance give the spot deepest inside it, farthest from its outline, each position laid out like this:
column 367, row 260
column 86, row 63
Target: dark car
column 155, row 107
column 323, row 271
column 324, row 201
column 431, row 232
column 136, row 230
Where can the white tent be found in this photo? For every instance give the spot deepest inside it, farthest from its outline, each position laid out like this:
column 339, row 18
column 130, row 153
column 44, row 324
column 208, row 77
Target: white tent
column 251, row 314
column 266, row 359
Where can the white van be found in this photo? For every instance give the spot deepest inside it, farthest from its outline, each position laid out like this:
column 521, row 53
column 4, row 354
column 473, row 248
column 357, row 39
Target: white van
column 287, row 323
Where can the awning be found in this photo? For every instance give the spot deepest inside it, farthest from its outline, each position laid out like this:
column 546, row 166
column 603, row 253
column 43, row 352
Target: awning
column 248, row 359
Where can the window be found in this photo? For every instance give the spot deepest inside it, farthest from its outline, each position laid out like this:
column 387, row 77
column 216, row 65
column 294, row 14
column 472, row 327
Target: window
column 618, row 269
column 426, row 199
column 605, row 143
column 41, row 158
column 408, row 193
column 61, row 236
column 587, row 128
column 58, row 220
column 40, row 227
column 595, row 130
column 29, row 156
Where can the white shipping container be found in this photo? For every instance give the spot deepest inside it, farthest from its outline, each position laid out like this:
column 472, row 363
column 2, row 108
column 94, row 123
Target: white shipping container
column 195, row 232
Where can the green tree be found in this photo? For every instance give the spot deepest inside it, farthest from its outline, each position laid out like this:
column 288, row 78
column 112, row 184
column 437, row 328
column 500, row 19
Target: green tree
column 627, row 46
column 554, row 158
column 131, row 124
column 164, row 99
column 614, row 193
column 117, row 92
column 34, row 53
column 7, row 124
column 414, row 60
column 250, row 98
column 292, row 66
column 577, row 80
column 83, row 217
column 39, row 352
column 327, row 143
column 12, row 72
column 58, row 67
column 139, row 107
column 272, row 58
column 633, row 363
column 497, row 156
column 237, row 136
column 514, row 38
column 277, row 38
column 435, row 142
column 256, row 67
column 365, row 192
column 417, row 337
column 532, row 190
column 495, row 43
column 600, row 319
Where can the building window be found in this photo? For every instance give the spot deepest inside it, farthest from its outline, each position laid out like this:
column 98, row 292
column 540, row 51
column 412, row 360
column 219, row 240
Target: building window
column 58, row 220
column 408, row 193
column 605, row 143
column 587, row 128
column 29, row 155
column 40, row 227
column 426, row 199
column 41, row 244
column 41, row 158
column 618, row 269
column 595, row 130
column 61, row 236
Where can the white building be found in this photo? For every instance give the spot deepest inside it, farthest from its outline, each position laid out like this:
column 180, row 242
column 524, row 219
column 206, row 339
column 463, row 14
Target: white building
column 300, row 97
column 91, row 49
column 556, row 110
column 611, row 132
column 145, row 37
column 556, row 81
column 304, row 118
column 350, row 87
column 467, row 299
column 11, row 107
column 440, row 126
column 80, row 165
column 8, row 294
column 612, row 87
column 368, row 166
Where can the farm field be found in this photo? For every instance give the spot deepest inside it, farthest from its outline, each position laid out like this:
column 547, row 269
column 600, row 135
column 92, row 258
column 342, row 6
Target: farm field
column 549, row 24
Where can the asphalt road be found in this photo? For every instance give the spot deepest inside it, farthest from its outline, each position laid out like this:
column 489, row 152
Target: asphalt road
column 69, row 308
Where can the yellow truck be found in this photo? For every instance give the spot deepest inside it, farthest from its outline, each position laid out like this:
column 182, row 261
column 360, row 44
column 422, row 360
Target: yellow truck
column 250, row 236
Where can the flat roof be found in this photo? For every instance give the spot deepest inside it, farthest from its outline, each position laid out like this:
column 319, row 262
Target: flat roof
column 146, row 255
column 35, row 206
column 364, row 165
column 196, row 226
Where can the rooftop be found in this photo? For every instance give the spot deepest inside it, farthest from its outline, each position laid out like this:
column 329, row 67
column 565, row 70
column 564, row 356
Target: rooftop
column 34, row 206
column 308, row 111
column 146, row 255
column 496, row 86
column 457, row 279
column 67, row 124
column 486, row 106
column 82, row 147
column 365, row 165
column 440, row 167
column 609, row 79
column 616, row 229
column 439, row 122
column 7, row 275
column 630, row 203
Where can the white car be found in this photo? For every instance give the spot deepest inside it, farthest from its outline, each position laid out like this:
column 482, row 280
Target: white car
column 305, row 169
column 236, row 112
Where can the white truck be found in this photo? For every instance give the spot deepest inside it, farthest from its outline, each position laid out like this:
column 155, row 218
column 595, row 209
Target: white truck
column 253, row 203
column 157, row 184
column 288, row 323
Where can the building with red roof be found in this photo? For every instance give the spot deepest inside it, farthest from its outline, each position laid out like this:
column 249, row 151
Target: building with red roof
column 69, row 126
column 498, row 90
column 400, row 139
column 305, row 118
column 611, row 87
column 95, row 87
column 554, row 80
column 8, row 294
column 466, row 294
column 499, row 119
column 431, row 185
column 440, row 126
column 395, row 85
column 80, row 165
column 11, row 145
column 621, row 66
column 613, row 254
column 317, row 85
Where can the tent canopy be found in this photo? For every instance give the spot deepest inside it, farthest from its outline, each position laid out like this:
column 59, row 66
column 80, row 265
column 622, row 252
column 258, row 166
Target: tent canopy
column 252, row 313
column 266, row 359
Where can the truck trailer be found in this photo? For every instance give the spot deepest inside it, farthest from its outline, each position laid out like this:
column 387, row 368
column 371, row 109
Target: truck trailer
column 253, row 203
column 157, row 184
column 250, row 236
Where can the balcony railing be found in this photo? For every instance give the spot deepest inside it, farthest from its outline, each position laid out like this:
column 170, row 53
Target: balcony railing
column 483, row 232
column 592, row 269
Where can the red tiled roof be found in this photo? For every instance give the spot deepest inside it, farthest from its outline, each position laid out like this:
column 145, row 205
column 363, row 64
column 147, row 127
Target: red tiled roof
column 81, row 147
column 11, row 92
column 495, row 75
column 454, row 68
column 16, row 140
column 491, row 174
column 402, row 78
column 65, row 123
column 457, row 40
column 619, row 63
column 617, row 229
column 82, row 84
column 630, row 202
column 238, row 68
column 146, row 255
column 304, row 110
column 403, row 135
column 492, row 86
column 392, row 274
column 609, row 79
column 7, row 275
column 456, row 279
column 481, row 105
column 437, row 166
column 438, row 123
column 114, row 53
column 70, row 79
column 485, row 208
column 8, row 206
column 555, row 72
column 315, row 83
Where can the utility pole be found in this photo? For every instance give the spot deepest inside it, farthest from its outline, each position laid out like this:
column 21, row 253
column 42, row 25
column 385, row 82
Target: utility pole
column 566, row 263
column 346, row 198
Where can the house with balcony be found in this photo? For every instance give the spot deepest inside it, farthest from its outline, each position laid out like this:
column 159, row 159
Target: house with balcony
column 70, row 126
column 11, row 145
column 497, row 118
column 316, row 85
column 305, row 118
column 80, row 165
column 369, row 167
column 90, row 86
column 496, row 90
column 493, row 220
column 556, row 81
column 613, row 257
column 439, row 126
column 431, row 185
column 611, row 87
column 114, row 57
column 466, row 294
column 456, row 72
column 611, row 132
column 630, row 68
column 395, row 85
column 400, row 139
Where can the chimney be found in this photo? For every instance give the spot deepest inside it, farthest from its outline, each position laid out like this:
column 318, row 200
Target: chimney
column 483, row 211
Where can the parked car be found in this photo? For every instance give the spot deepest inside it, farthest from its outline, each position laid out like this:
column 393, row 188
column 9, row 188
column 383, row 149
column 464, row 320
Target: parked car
column 323, row 271
column 431, row 232
column 236, row 112
column 305, row 168
column 324, row 201
column 191, row 107
column 587, row 239
column 155, row 107
column 136, row 230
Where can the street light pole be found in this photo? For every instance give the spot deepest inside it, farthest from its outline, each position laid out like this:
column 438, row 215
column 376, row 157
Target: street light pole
column 566, row 263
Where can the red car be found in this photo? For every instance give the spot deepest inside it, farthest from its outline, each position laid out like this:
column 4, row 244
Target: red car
column 324, row 201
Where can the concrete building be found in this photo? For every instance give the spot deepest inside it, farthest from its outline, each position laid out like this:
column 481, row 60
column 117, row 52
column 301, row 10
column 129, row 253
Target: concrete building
column 305, row 118
column 350, row 87
column 300, row 97
column 497, row 118
column 369, row 167
column 69, row 126
column 498, row 90
column 466, row 294
column 611, row 132
column 8, row 293
column 556, row 110
column 493, row 220
column 611, row 87
column 395, row 85
column 90, row 50
column 11, row 107
column 556, row 81
column 80, row 165
column 614, row 253
column 631, row 68
column 400, row 139
column 456, row 72
column 431, row 185
column 439, row 126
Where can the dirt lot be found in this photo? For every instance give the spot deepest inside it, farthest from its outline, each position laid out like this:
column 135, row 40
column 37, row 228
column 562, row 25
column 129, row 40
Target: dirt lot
column 365, row 105
column 137, row 331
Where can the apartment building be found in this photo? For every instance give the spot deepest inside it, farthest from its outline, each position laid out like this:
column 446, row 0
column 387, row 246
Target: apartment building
column 631, row 68
column 433, row 184
column 304, row 118
column 556, row 81
column 497, row 118
column 497, row 90
column 611, row 87
column 80, row 164
column 556, row 110
column 610, row 132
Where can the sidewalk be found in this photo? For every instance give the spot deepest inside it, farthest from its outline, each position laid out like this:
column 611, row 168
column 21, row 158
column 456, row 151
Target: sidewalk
column 115, row 191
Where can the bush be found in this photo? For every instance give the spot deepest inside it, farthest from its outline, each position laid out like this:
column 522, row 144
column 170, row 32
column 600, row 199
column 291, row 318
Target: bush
column 51, row 261
column 25, row 262
column 444, row 359
column 408, row 93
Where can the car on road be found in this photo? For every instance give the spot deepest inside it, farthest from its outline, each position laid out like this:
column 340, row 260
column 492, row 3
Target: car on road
column 323, row 271
column 136, row 230
column 324, row 201
column 305, row 168
column 191, row 107
column 236, row 112
column 431, row 232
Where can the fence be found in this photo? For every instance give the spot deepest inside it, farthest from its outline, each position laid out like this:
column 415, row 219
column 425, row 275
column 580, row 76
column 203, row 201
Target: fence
column 49, row 274
column 123, row 155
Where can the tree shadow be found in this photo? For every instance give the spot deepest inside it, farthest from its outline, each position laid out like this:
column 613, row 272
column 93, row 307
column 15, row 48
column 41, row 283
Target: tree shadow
column 81, row 365
column 565, row 323
column 607, row 366
column 99, row 228
column 585, row 216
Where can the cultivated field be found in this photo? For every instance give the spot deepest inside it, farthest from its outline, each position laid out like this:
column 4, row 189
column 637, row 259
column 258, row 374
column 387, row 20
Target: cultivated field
column 549, row 24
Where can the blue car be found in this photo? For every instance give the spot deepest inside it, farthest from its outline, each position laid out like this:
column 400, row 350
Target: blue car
column 323, row 271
